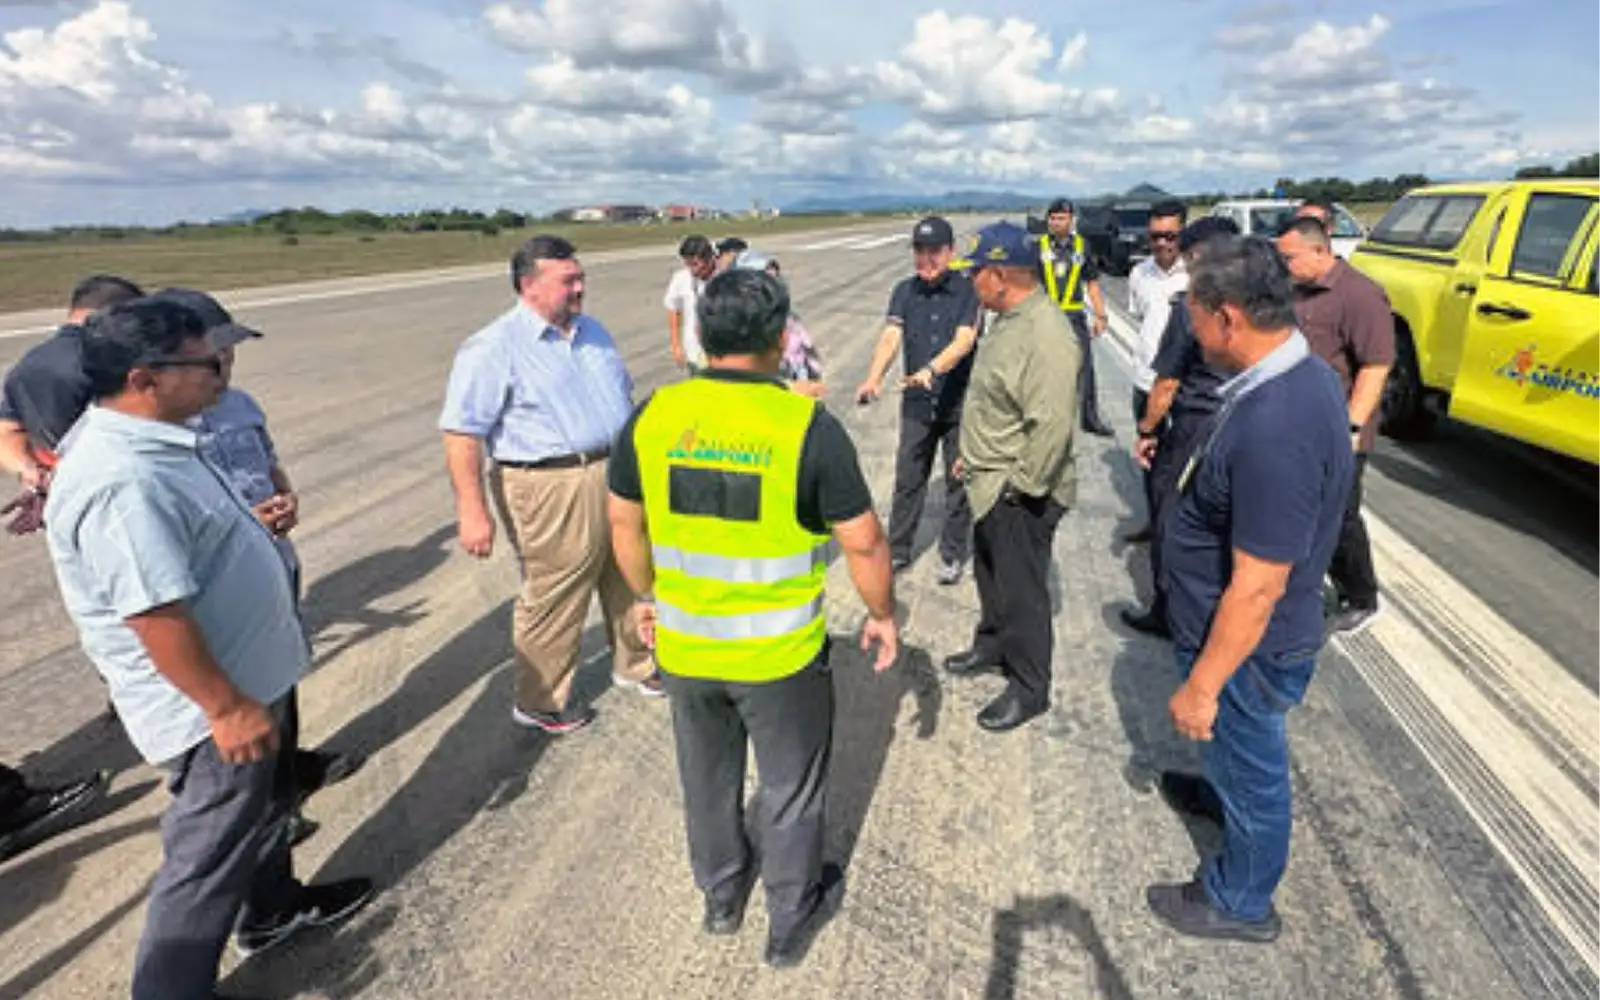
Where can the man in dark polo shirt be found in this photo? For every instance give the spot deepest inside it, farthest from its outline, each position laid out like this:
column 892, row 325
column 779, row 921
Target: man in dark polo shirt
column 1347, row 319
column 933, row 318
column 1177, row 413
column 1245, row 550
column 46, row 390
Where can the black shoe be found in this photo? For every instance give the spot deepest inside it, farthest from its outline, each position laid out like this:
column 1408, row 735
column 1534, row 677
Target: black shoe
column 1352, row 618
column 1151, row 622
column 1186, row 909
column 318, row 906
column 301, row 829
column 726, row 918
column 1191, row 795
column 1141, row 536
column 554, row 723
column 1096, row 427
column 1007, row 712
column 45, row 812
column 950, row 572
column 315, row 770
column 971, row 663
column 790, row 950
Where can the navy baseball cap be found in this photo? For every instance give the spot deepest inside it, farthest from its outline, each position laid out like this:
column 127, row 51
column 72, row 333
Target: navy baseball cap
column 933, row 232
column 1001, row 244
column 221, row 330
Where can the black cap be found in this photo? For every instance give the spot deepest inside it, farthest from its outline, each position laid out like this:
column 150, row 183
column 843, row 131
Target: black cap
column 1062, row 205
column 933, row 232
column 221, row 330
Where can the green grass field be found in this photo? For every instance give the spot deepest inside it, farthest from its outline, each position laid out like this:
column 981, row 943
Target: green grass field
column 40, row 275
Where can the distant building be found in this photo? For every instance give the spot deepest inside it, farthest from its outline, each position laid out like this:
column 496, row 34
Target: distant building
column 682, row 213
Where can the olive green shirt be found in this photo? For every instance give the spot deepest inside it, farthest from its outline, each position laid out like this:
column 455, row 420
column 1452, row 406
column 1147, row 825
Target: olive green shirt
column 1021, row 409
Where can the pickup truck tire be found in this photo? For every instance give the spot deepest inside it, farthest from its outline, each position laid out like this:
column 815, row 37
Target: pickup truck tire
column 1405, row 414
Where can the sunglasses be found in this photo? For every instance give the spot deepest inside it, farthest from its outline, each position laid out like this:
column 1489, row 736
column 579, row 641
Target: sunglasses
column 1163, row 237
column 210, row 361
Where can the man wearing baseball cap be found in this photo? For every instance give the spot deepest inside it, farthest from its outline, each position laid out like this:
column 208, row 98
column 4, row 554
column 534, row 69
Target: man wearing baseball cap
column 1017, row 436
column 232, row 436
column 933, row 321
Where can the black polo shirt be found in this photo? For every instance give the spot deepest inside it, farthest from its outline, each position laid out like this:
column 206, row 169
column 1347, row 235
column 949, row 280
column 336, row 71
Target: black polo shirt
column 928, row 316
column 46, row 391
column 1180, row 357
column 1063, row 253
column 831, row 488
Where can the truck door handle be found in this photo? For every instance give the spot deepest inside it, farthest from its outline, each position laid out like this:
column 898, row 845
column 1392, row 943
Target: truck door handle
column 1464, row 288
column 1509, row 312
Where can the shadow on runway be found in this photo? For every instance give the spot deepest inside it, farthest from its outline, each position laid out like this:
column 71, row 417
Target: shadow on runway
column 343, row 601
column 867, row 707
column 1049, row 914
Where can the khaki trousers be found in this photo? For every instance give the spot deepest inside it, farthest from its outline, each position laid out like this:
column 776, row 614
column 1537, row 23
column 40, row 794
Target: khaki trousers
column 557, row 520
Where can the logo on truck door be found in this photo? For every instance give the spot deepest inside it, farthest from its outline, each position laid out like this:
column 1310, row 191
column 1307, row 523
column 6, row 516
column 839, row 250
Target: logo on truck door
column 1525, row 368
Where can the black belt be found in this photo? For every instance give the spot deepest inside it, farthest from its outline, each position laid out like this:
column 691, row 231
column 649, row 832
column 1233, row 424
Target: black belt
column 560, row 461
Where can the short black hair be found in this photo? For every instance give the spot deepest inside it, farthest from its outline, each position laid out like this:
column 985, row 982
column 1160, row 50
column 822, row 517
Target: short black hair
column 100, row 290
column 1171, row 208
column 1204, row 228
column 1248, row 273
column 696, row 247
column 742, row 313
column 1326, row 204
column 1310, row 228
column 131, row 335
column 731, row 244
column 541, row 247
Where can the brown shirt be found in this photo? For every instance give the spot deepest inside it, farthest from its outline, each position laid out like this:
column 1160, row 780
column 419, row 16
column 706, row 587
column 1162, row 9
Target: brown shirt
column 1347, row 319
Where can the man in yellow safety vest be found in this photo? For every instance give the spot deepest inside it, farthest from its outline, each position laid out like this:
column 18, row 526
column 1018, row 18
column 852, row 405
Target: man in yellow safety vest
column 1069, row 275
column 725, row 490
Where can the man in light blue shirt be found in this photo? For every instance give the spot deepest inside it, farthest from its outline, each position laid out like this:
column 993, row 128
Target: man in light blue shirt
column 542, row 392
column 183, row 605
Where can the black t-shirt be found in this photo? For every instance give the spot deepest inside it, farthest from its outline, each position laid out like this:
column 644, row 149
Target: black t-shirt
column 1181, row 358
column 1062, row 265
column 46, row 391
column 831, row 488
column 929, row 316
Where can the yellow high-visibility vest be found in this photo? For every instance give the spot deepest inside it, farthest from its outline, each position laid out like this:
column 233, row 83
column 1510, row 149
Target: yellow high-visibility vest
column 1065, row 297
column 739, row 580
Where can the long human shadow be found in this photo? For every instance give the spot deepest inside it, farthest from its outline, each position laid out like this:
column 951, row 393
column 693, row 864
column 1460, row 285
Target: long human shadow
column 867, row 705
column 101, row 744
column 43, row 968
column 1034, row 913
column 345, row 597
column 481, row 763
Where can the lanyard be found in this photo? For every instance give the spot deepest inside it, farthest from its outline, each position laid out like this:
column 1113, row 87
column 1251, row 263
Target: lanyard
column 1282, row 359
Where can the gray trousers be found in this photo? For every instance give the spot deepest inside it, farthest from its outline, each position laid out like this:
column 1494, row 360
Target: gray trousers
column 790, row 724
column 225, row 863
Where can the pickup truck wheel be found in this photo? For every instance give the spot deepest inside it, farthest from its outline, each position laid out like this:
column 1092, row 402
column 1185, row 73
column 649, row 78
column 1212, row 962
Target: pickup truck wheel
column 1405, row 415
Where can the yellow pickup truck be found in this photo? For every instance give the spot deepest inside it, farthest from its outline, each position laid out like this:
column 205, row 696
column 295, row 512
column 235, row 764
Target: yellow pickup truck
column 1496, row 309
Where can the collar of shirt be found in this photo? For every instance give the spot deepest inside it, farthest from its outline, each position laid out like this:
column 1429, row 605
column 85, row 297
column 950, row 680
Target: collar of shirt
column 740, row 375
column 1032, row 300
column 138, row 433
column 1176, row 270
column 1328, row 281
column 1283, row 357
column 938, row 284
column 548, row 330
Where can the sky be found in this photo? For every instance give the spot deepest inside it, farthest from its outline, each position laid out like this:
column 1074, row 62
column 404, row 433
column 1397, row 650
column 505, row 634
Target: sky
column 152, row 111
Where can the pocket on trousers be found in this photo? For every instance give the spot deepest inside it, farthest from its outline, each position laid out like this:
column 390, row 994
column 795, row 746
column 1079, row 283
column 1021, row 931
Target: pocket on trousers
column 1258, row 692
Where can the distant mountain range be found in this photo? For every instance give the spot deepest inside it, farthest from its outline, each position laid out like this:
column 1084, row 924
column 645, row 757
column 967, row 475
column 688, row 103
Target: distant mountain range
column 979, row 201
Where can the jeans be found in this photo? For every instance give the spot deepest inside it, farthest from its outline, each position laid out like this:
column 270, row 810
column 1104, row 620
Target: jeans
column 1247, row 762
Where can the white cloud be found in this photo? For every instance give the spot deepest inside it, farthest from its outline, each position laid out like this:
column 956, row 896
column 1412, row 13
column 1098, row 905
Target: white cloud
column 1328, row 56
column 1073, row 52
column 699, row 36
column 561, row 84
column 973, row 71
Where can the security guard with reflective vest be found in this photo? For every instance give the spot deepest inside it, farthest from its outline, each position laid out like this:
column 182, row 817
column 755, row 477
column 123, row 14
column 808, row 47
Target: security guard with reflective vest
column 1068, row 274
column 725, row 490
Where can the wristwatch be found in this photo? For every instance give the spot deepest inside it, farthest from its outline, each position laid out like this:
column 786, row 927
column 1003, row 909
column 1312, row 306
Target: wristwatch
column 1356, row 428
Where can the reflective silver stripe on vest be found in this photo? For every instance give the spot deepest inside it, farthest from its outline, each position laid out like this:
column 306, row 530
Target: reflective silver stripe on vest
column 759, row 625
column 728, row 569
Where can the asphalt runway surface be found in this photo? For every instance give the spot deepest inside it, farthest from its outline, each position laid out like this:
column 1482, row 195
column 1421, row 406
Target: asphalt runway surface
column 1444, row 761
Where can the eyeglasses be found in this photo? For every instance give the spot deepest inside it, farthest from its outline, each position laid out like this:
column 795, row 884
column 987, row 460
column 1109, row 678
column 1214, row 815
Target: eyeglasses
column 1159, row 237
column 210, row 361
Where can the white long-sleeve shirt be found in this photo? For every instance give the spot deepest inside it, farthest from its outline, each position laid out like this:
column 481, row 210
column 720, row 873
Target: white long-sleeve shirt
column 1150, row 292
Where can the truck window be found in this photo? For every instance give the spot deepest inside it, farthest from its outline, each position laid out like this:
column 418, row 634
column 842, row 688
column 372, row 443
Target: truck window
column 1435, row 222
column 1345, row 225
column 1269, row 222
column 1548, row 229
